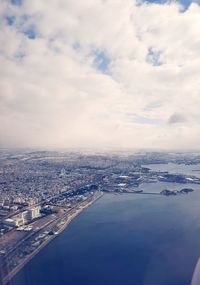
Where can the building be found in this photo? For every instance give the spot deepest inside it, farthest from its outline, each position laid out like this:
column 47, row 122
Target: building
column 33, row 213
column 23, row 217
column 1, row 202
column 17, row 220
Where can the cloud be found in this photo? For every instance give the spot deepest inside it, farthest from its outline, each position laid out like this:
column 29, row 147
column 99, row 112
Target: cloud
column 72, row 72
column 176, row 118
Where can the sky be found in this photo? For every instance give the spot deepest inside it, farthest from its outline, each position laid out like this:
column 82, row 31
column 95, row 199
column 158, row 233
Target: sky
column 100, row 73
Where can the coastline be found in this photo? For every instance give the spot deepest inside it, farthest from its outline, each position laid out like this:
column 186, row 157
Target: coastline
column 69, row 219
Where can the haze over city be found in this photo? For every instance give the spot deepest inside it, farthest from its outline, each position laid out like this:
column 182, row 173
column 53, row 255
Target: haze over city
column 97, row 73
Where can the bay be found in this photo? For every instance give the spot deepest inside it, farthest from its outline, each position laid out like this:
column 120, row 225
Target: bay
column 130, row 239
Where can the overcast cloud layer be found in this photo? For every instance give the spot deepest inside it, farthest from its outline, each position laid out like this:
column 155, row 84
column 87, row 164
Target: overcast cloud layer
column 102, row 73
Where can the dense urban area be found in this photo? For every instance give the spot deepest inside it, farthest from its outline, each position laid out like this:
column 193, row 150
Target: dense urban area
column 42, row 191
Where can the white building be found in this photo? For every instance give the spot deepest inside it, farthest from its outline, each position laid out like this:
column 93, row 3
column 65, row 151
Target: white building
column 34, row 213
column 16, row 221
column 23, row 217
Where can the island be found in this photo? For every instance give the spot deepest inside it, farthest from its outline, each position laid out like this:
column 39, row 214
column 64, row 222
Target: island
column 167, row 192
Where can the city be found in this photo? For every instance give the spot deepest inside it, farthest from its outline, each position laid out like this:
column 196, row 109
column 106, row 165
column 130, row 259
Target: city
column 42, row 191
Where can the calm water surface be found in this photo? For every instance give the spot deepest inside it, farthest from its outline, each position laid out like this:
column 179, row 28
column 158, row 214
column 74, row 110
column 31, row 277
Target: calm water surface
column 125, row 239
column 193, row 169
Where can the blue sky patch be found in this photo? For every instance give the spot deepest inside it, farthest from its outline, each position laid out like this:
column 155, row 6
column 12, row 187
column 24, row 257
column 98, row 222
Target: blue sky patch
column 184, row 3
column 16, row 2
column 153, row 57
column 10, row 20
column 101, row 61
column 30, row 33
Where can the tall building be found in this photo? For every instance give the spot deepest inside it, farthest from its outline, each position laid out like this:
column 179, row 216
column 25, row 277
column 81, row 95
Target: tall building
column 33, row 213
column 23, row 217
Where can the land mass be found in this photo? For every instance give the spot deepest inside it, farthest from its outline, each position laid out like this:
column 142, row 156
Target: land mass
column 42, row 192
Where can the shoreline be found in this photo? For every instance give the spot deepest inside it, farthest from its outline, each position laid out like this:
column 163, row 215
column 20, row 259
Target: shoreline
column 15, row 270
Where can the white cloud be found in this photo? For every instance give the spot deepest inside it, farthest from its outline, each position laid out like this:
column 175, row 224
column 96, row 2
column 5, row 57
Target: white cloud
column 52, row 93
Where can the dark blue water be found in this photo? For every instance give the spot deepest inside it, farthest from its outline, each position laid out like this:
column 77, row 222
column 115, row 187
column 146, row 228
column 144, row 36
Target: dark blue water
column 123, row 239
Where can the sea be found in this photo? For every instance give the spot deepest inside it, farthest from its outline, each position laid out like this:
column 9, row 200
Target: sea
column 127, row 239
